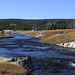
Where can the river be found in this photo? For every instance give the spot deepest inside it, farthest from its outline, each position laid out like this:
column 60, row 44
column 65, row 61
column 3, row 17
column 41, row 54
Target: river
column 47, row 59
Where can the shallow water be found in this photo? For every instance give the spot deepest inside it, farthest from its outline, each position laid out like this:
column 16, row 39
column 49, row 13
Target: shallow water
column 48, row 59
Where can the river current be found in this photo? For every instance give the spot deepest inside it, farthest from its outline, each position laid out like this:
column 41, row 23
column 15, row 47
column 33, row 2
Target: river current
column 47, row 59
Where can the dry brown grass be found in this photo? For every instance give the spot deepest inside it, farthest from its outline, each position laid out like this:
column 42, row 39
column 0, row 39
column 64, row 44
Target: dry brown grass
column 11, row 69
column 2, row 36
column 55, row 32
column 29, row 33
column 3, row 60
column 59, row 36
column 6, row 68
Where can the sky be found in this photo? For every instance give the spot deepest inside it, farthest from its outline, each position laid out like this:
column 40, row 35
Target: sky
column 37, row 9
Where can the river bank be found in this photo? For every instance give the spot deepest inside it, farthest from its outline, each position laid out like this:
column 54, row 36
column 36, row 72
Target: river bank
column 2, row 36
column 63, row 37
column 47, row 59
column 6, row 66
column 12, row 66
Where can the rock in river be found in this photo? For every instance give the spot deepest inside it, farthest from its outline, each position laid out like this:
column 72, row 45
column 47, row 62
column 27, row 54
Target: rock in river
column 25, row 62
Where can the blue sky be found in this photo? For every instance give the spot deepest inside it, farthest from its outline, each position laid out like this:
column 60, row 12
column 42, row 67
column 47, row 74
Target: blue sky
column 37, row 9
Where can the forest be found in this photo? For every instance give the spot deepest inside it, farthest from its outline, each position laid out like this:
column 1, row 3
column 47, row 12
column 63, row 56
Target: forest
column 37, row 24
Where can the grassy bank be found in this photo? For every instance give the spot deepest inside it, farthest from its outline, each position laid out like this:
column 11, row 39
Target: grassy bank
column 2, row 36
column 59, row 36
column 53, row 36
column 29, row 33
column 10, row 69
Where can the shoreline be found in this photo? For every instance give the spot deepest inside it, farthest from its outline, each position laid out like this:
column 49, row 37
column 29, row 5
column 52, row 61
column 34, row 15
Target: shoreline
column 56, row 37
column 3, row 36
column 63, row 37
column 68, row 44
column 7, row 66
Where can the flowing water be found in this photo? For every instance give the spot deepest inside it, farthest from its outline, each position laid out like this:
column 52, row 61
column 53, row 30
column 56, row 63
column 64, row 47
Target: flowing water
column 47, row 59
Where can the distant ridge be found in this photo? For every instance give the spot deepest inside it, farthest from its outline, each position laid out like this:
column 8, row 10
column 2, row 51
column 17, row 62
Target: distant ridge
column 35, row 21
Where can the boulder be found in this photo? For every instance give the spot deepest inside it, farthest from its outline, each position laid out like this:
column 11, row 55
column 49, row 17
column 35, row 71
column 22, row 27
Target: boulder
column 68, row 44
column 25, row 62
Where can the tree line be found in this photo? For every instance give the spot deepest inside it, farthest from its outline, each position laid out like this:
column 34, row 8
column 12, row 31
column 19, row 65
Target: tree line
column 38, row 25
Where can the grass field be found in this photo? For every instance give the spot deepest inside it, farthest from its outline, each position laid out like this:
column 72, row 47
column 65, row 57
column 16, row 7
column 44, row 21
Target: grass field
column 58, row 36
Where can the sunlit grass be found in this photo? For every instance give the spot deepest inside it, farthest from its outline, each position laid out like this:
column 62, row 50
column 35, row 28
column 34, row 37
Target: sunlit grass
column 29, row 33
column 11, row 69
column 2, row 36
column 59, row 36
